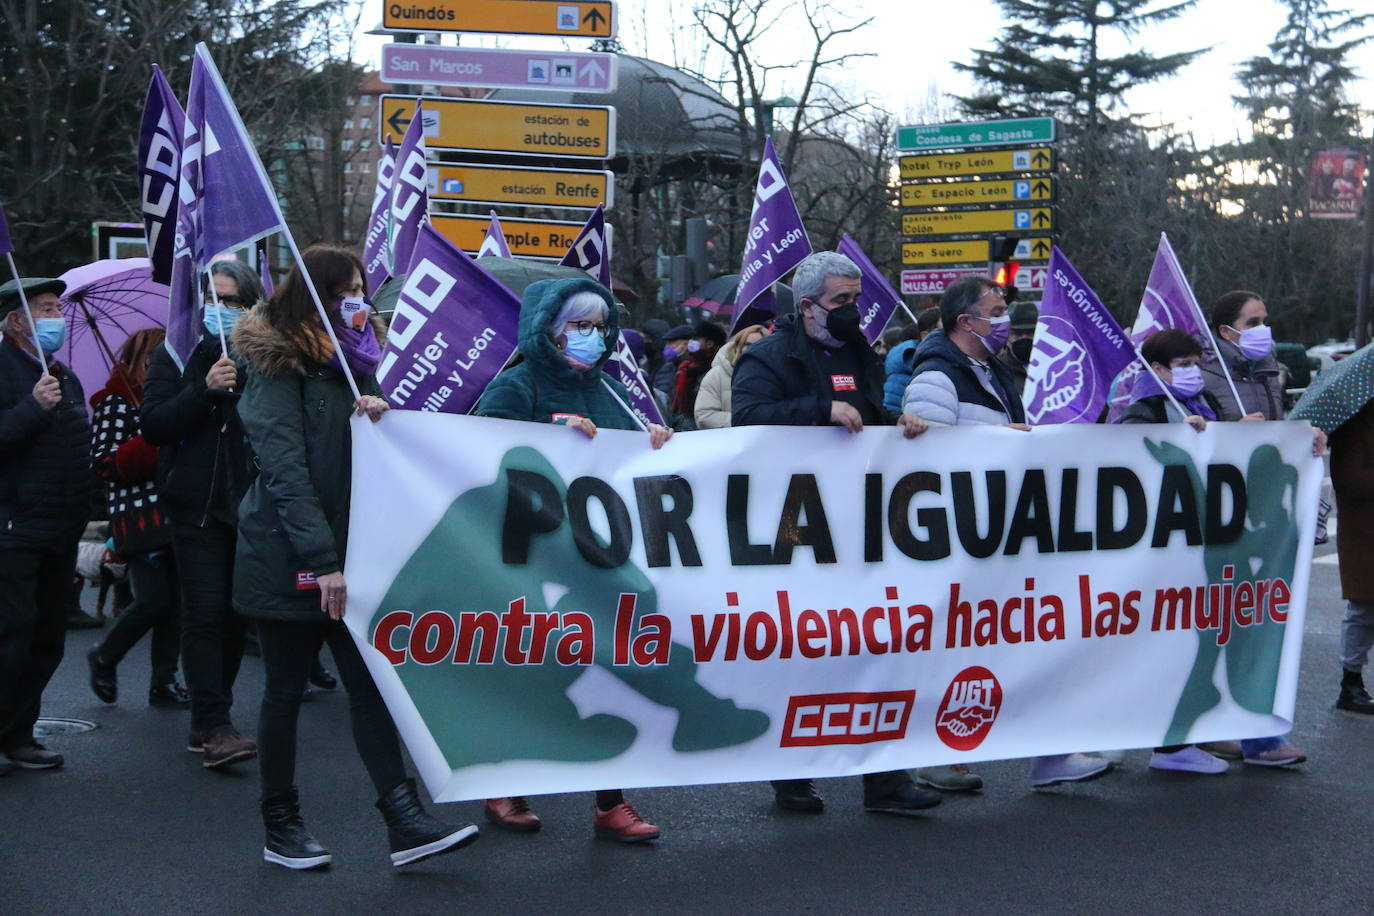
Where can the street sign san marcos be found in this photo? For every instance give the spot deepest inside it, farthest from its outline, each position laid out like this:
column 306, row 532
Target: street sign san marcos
column 588, row 18
column 1009, row 132
column 521, row 187
column 517, row 128
column 1038, row 219
column 991, row 162
column 970, row 252
column 495, row 68
column 535, row 238
column 951, row 193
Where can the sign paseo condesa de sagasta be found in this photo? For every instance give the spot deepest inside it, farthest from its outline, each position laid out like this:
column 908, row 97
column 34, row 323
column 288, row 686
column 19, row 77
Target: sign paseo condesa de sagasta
column 549, row 613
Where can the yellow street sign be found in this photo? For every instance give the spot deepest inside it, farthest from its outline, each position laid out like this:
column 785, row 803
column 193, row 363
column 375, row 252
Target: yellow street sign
column 534, row 238
column 944, row 252
column 1039, row 219
column 521, row 187
column 951, row 193
column 587, row 18
column 516, row 128
column 992, row 162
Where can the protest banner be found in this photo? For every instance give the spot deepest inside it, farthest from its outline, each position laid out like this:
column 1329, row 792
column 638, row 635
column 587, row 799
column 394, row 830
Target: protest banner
column 777, row 242
column 1079, row 349
column 549, row 613
column 453, row 329
column 878, row 301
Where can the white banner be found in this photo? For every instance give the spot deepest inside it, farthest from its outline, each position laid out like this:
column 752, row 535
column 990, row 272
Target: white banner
column 547, row 613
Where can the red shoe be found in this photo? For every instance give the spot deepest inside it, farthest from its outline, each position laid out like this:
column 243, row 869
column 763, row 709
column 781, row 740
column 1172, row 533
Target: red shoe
column 623, row 824
column 512, row 813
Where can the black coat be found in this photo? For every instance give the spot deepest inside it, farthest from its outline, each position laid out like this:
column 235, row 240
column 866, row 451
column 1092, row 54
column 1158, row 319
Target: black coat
column 779, row 381
column 204, row 464
column 45, row 459
column 1157, row 408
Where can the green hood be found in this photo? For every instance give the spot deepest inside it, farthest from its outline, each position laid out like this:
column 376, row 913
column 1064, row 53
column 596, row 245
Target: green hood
column 540, row 306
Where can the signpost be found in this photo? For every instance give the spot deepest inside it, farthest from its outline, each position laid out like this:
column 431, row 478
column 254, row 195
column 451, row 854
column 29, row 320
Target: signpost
column 513, row 128
column 492, row 68
column 521, row 187
column 970, row 252
column 932, row 282
column 954, row 193
column 534, row 238
column 586, row 18
column 967, row 222
column 991, row 162
column 1010, row 132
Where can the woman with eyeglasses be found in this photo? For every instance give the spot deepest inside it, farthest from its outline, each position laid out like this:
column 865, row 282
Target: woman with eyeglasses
column 568, row 329
column 203, row 471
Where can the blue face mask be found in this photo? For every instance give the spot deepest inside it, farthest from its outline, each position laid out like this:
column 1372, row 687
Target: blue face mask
column 216, row 315
column 586, row 350
column 52, row 334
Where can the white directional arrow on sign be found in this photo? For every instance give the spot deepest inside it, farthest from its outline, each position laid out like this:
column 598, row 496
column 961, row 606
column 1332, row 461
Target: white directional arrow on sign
column 592, row 73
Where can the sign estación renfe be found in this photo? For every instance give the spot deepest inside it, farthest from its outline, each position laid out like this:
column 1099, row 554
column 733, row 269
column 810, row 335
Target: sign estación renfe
column 559, row 141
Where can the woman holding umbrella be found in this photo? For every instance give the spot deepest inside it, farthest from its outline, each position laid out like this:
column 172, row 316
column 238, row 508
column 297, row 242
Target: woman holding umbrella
column 293, row 528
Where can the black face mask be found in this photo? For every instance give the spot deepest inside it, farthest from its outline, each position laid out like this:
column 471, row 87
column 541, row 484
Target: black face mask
column 1021, row 349
column 843, row 324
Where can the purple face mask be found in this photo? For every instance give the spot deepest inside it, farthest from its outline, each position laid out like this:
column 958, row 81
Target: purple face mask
column 996, row 338
column 670, row 353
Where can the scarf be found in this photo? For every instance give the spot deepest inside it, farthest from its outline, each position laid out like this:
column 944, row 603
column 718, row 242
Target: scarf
column 689, row 373
column 1147, row 384
column 359, row 348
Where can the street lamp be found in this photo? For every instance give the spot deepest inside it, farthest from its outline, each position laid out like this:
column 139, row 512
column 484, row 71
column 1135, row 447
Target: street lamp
column 765, row 109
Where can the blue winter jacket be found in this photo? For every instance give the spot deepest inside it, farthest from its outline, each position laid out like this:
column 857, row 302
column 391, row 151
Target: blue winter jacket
column 900, row 360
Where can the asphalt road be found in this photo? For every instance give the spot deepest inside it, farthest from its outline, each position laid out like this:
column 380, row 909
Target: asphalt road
column 133, row 824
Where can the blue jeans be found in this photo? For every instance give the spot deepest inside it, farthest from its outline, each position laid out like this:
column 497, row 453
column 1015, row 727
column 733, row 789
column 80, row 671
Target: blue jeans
column 1252, row 746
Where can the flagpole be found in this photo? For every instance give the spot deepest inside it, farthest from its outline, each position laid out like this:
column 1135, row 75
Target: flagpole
column 24, row 301
column 1207, row 326
column 1163, row 387
column 214, row 294
column 619, row 400
column 319, row 307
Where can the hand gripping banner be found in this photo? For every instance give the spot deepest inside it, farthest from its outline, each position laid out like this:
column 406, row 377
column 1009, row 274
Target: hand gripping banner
column 548, row 613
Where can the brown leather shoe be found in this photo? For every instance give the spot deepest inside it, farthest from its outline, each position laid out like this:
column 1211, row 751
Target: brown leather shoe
column 623, row 824
column 512, row 813
column 226, row 748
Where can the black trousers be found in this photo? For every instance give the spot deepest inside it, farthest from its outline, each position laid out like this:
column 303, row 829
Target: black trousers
column 288, row 651
column 157, row 607
column 35, row 594
column 211, row 633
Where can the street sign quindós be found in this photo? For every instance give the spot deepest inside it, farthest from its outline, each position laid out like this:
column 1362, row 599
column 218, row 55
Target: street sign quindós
column 533, row 238
column 1008, row 132
column 497, row 68
column 516, row 128
column 1037, row 219
column 519, row 186
column 955, row 193
column 586, row 18
column 989, row 162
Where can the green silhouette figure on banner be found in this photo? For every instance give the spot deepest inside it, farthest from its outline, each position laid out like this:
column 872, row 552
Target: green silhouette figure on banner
column 1266, row 549
column 498, row 712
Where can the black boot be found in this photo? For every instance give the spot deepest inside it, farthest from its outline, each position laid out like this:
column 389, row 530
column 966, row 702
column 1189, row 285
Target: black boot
column 104, row 676
column 797, row 795
column 321, row 677
column 1354, row 697
column 414, row 835
column 288, row 842
column 894, row 792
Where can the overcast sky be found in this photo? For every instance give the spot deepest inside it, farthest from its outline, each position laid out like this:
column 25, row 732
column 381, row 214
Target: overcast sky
column 914, row 42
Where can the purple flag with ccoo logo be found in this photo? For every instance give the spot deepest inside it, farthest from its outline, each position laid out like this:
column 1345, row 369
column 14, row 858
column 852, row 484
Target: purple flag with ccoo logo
column 776, row 243
column 878, row 301
column 159, row 170
column 409, row 193
column 590, row 251
column 377, row 242
column 494, row 242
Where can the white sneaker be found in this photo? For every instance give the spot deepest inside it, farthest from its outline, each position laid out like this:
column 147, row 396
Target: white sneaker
column 1057, row 768
column 1192, row 759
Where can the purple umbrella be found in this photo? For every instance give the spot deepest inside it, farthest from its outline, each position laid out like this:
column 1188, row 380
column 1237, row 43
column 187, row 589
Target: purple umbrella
column 105, row 302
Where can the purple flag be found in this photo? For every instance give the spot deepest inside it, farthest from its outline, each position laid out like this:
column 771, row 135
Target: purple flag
column 265, row 273
column 454, row 327
column 6, row 246
column 494, row 243
column 590, row 251
column 777, row 242
column 409, row 193
column 624, row 368
column 377, row 242
column 877, row 299
column 1079, row 349
column 159, row 170
column 238, row 205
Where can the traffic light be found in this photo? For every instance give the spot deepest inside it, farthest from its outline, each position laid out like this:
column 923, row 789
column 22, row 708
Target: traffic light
column 1006, row 278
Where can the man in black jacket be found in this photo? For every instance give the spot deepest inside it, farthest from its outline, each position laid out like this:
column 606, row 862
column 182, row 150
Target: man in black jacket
column 45, row 498
column 817, row 369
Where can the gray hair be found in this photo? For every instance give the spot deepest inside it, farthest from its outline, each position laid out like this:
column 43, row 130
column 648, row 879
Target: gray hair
column 809, row 280
column 583, row 305
column 250, row 287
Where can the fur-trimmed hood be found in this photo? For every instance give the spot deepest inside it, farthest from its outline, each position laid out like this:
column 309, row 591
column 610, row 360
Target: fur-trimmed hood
column 272, row 353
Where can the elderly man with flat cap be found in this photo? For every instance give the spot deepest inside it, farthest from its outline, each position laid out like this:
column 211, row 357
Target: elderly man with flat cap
column 45, row 495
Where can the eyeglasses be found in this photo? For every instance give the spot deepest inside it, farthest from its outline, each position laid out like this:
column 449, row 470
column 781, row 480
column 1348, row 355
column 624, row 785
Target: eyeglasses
column 231, row 301
column 585, row 328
